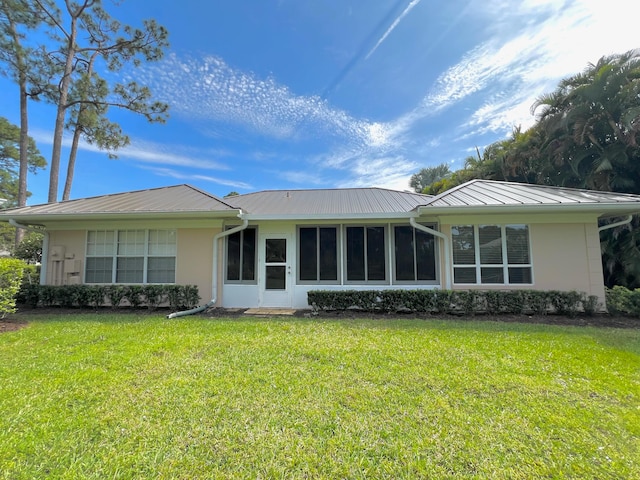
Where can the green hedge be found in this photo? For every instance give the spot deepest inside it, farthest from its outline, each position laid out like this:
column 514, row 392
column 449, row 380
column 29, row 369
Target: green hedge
column 11, row 272
column 468, row 302
column 622, row 301
column 178, row 297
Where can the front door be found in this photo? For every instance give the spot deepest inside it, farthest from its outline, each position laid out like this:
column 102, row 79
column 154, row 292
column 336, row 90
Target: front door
column 275, row 280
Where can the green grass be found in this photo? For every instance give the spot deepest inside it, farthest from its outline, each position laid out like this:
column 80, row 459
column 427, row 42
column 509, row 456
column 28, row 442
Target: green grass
column 99, row 396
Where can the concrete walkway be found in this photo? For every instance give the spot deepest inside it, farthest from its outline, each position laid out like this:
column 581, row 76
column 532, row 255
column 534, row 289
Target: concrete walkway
column 270, row 312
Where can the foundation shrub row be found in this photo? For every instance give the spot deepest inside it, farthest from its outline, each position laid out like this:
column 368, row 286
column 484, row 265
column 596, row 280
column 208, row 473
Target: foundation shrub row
column 467, row 302
column 84, row 296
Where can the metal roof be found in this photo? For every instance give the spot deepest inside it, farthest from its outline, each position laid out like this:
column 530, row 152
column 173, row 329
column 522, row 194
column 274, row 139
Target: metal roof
column 337, row 202
column 476, row 196
column 489, row 193
column 175, row 199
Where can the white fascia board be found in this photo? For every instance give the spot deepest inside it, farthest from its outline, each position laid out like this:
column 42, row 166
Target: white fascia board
column 326, row 216
column 45, row 218
column 602, row 209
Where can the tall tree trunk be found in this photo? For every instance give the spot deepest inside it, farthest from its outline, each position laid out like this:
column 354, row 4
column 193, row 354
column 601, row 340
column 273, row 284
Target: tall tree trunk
column 58, row 131
column 24, row 124
column 24, row 152
column 72, row 163
column 76, row 135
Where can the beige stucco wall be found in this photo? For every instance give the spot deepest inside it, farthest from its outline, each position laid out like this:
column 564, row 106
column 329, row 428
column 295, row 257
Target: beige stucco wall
column 565, row 251
column 73, row 244
column 567, row 257
column 194, row 261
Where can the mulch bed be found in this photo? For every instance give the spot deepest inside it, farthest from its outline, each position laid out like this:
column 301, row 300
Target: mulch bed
column 21, row 318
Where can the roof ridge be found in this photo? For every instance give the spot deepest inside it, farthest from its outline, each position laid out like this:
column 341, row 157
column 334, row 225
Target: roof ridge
column 204, row 192
column 451, row 190
column 335, row 189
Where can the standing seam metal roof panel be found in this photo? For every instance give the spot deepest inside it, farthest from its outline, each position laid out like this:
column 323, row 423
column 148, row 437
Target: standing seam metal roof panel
column 489, row 192
column 329, row 201
column 179, row 198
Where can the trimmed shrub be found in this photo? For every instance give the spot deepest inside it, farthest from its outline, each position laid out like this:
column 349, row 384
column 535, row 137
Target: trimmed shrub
column 11, row 273
column 97, row 295
column 83, row 296
column 133, row 295
column 153, row 295
column 190, row 296
column 467, row 302
column 622, row 301
column 115, row 294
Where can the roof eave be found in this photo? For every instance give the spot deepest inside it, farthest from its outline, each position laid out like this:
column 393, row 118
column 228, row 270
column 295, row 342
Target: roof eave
column 602, row 209
column 330, row 216
column 41, row 218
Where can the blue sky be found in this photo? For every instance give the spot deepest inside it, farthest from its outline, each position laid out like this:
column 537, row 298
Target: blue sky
column 289, row 94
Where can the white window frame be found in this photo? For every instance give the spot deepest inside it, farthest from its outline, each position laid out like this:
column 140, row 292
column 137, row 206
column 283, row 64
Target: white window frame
column 115, row 255
column 505, row 265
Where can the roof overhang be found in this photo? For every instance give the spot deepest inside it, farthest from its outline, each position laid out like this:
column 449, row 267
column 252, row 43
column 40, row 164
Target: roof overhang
column 43, row 219
column 335, row 217
column 601, row 209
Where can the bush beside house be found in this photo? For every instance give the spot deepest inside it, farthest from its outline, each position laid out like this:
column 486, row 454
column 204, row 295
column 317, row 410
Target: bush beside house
column 467, row 302
column 11, row 272
column 84, row 296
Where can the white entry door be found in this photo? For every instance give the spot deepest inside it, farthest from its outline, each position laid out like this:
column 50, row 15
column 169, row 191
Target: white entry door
column 275, row 264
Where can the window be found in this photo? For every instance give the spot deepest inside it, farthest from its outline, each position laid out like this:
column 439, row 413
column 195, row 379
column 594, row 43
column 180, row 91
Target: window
column 415, row 258
column 366, row 254
column 241, row 256
column 131, row 256
column 318, row 254
column 100, row 252
column 491, row 254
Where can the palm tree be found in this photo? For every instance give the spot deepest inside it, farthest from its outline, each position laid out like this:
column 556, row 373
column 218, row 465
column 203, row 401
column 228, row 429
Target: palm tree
column 592, row 124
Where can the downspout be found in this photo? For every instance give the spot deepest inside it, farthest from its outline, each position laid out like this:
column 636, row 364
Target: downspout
column 447, row 252
column 45, row 247
column 214, row 280
column 626, row 221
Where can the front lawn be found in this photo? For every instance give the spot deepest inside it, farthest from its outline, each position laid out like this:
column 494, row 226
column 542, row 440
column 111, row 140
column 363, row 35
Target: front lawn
column 122, row 396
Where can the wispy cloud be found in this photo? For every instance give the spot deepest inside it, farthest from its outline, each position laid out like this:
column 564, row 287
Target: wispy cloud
column 529, row 48
column 207, row 89
column 526, row 49
column 394, row 24
column 143, row 151
column 385, row 172
column 168, row 172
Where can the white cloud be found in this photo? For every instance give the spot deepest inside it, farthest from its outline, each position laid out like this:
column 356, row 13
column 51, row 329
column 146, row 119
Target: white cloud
column 527, row 48
column 380, row 172
column 168, row 172
column 207, row 89
column 143, row 151
column 532, row 45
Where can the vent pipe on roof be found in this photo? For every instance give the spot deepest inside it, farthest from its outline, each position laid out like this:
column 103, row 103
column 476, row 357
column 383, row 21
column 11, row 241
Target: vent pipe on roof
column 445, row 241
column 214, row 280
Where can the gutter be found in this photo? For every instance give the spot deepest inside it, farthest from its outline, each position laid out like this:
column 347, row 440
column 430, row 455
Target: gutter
column 214, row 279
column 45, row 246
column 447, row 250
column 626, row 221
column 611, row 209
